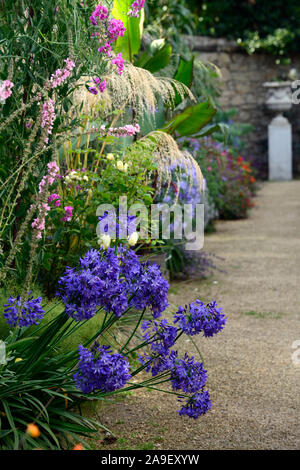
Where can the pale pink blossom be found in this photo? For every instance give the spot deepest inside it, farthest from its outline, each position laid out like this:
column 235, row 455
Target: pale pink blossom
column 5, row 89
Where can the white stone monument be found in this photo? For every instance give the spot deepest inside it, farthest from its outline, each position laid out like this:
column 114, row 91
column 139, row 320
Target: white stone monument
column 280, row 131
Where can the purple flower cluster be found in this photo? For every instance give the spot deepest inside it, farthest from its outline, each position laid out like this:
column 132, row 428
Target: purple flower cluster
column 101, row 86
column 185, row 374
column 197, row 405
column 198, row 317
column 152, row 290
column 124, row 227
column 113, row 30
column 188, row 375
column 31, row 313
column 99, row 369
column 114, row 282
column 161, row 337
column 136, row 7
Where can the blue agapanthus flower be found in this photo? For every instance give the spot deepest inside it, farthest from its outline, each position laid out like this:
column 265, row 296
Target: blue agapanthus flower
column 101, row 370
column 188, row 375
column 31, row 313
column 151, row 290
column 160, row 335
column 198, row 317
column 114, row 281
column 117, row 226
column 196, row 405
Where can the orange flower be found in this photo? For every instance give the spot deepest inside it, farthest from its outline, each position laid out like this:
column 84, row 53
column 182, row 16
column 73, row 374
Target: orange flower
column 33, row 430
column 252, row 179
column 78, row 447
column 239, row 160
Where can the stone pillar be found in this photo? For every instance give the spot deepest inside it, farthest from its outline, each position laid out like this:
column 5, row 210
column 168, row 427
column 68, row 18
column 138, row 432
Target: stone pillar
column 280, row 149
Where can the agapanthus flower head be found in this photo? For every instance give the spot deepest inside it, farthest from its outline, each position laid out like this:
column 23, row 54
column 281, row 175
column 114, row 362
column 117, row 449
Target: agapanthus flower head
column 113, row 281
column 159, row 335
column 101, row 370
column 117, row 226
column 196, row 405
column 31, row 313
column 188, row 375
column 152, row 290
column 198, row 317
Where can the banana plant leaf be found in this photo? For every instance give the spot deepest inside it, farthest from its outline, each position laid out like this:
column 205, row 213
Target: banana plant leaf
column 191, row 120
column 156, row 62
column 129, row 44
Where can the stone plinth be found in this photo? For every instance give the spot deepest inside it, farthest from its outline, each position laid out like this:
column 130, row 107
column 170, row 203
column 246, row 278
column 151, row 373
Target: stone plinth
column 280, row 149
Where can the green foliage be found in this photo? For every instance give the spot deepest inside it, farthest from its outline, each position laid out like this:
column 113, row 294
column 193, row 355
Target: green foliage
column 191, row 120
column 276, row 43
column 37, row 38
column 257, row 24
column 230, row 180
column 159, row 60
column 129, row 44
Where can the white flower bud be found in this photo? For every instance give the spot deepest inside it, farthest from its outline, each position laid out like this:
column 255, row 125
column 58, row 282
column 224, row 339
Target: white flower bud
column 133, row 238
column 120, row 165
column 104, row 241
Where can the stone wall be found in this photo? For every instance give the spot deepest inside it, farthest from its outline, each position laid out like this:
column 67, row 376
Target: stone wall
column 243, row 76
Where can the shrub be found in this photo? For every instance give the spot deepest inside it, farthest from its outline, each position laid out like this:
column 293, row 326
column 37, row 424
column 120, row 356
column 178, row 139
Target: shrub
column 230, row 179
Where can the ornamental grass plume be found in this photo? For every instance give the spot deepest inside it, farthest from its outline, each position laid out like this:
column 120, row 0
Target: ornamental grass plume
column 168, row 157
column 136, row 89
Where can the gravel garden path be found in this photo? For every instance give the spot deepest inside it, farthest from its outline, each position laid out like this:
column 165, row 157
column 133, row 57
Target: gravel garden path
column 253, row 381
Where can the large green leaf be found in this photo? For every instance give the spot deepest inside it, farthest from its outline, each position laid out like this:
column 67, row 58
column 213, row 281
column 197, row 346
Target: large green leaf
column 159, row 60
column 212, row 128
column 191, row 120
column 184, row 72
column 129, row 44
